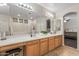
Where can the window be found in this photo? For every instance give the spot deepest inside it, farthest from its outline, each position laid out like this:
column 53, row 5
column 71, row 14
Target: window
column 20, row 20
column 15, row 20
column 26, row 21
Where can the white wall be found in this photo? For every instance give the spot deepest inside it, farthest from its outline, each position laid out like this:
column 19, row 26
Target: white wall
column 71, row 25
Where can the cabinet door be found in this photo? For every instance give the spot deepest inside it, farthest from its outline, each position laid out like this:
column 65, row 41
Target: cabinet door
column 32, row 48
column 36, row 49
column 51, row 43
column 58, row 41
column 43, row 46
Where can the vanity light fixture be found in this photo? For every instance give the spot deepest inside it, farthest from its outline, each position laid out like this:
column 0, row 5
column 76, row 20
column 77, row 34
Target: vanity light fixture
column 25, row 6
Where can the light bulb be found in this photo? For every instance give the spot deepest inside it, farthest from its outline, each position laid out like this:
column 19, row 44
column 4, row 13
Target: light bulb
column 65, row 21
column 24, row 4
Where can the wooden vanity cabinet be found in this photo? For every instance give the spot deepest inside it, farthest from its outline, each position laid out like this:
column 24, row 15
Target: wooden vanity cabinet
column 37, row 47
column 32, row 48
column 58, row 41
column 43, row 46
column 51, row 43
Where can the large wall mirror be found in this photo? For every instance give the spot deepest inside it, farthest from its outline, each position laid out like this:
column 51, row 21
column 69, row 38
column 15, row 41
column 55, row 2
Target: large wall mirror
column 15, row 20
column 4, row 19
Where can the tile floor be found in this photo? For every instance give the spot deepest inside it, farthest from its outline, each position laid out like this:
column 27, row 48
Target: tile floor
column 64, row 51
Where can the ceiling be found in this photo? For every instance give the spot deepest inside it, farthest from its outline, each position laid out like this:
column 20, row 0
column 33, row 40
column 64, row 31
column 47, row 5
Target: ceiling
column 4, row 10
column 55, row 7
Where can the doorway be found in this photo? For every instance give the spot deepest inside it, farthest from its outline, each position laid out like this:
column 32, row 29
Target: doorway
column 70, row 31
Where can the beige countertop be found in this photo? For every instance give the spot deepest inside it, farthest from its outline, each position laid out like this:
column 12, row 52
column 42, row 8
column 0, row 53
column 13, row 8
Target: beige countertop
column 24, row 38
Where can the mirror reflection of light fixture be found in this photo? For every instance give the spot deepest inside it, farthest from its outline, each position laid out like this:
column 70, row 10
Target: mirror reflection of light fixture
column 24, row 5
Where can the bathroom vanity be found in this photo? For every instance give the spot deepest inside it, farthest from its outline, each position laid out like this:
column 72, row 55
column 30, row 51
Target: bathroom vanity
column 33, row 46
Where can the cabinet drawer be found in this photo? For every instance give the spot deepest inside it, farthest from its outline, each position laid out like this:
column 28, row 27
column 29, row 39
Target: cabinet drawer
column 59, row 36
column 51, row 38
column 29, row 43
column 36, row 41
column 32, row 42
column 43, row 40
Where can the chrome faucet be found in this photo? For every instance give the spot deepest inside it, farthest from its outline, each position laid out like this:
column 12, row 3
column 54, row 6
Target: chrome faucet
column 33, row 31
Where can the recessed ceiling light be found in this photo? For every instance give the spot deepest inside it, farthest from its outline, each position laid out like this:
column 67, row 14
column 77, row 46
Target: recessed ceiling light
column 65, row 21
